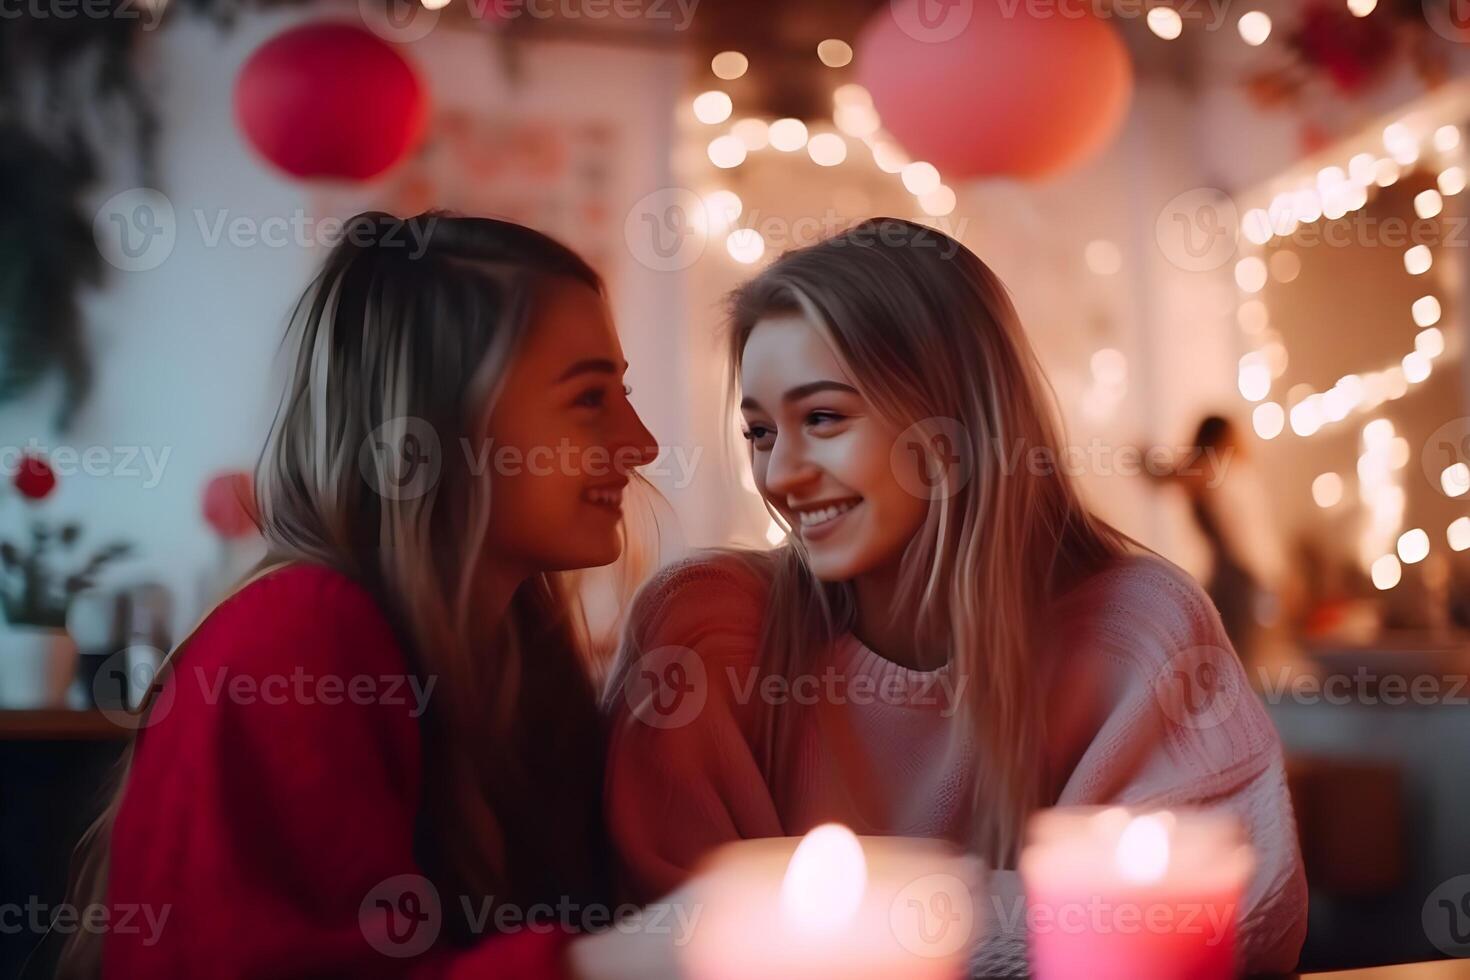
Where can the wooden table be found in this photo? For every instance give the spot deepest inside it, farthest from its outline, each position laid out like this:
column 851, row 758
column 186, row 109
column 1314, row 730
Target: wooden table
column 1435, row 970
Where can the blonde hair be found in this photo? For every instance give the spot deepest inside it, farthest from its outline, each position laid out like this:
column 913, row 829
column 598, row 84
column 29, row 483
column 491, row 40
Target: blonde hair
column 386, row 334
column 931, row 339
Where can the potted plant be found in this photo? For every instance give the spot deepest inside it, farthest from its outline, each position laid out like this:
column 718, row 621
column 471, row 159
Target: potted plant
column 36, row 656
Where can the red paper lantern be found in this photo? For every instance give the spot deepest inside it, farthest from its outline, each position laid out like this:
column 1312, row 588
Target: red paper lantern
column 34, row 478
column 229, row 504
column 992, row 89
column 330, row 99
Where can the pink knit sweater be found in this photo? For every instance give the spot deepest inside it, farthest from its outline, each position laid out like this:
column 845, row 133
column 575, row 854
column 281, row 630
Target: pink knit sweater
column 1148, row 707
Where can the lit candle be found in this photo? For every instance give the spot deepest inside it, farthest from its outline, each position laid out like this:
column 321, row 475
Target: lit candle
column 834, row 906
column 1114, row 894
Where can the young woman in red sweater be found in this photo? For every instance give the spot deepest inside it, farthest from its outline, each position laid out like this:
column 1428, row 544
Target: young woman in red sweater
column 385, row 748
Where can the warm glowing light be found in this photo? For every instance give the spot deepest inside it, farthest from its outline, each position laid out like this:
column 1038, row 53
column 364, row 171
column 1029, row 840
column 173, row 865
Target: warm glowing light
column 1252, row 316
column 729, row 65
column 1327, row 490
column 726, row 152
column 723, row 209
column 827, row 149
column 1429, row 342
column 1268, row 420
column 1385, row 173
column 1256, row 224
column 889, row 157
column 1426, row 311
column 1254, row 377
column 852, row 94
column 1306, row 416
column 824, row 883
column 1446, row 138
column 1250, row 274
column 1386, row 572
column 754, row 133
column 835, row 53
column 938, row 202
column 1254, row 27
column 1142, row 855
column 1458, row 533
column 1451, row 181
column 1103, row 257
column 1413, row 546
column 435, row 4
column 857, row 120
column 1416, row 366
column 1379, row 432
column 712, row 107
column 788, row 135
column 1165, row 22
column 775, row 534
column 1285, row 265
column 1454, row 480
column 745, row 245
column 920, row 177
column 1417, row 260
column 1428, row 203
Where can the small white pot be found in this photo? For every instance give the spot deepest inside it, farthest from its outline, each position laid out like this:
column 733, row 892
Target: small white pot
column 36, row 666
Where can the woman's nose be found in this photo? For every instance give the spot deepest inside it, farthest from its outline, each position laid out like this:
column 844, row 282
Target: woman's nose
column 637, row 447
column 787, row 468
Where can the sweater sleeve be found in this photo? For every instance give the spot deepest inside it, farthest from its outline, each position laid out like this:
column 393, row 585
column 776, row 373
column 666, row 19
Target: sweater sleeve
column 682, row 777
column 1170, row 720
column 269, row 812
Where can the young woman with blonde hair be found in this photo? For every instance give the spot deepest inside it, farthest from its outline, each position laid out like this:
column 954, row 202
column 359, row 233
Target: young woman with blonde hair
column 388, row 737
column 949, row 639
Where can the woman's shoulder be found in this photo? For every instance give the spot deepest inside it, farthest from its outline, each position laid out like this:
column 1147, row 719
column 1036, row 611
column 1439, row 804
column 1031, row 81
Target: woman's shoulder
column 724, row 586
column 296, row 615
column 1140, row 605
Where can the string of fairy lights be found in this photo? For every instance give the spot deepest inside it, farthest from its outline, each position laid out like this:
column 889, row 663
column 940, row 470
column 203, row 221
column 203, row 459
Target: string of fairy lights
column 827, row 142
column 1332, row 193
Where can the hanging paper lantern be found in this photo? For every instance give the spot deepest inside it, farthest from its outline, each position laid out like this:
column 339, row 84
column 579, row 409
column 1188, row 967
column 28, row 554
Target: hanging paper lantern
column 229, row 504
column 332, row 100
column 999, row 92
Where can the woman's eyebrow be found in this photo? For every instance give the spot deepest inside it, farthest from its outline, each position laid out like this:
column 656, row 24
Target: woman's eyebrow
column 591, row 365
column 802, row 391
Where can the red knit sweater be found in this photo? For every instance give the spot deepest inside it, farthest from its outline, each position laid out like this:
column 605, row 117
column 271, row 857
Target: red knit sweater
column 267, row 824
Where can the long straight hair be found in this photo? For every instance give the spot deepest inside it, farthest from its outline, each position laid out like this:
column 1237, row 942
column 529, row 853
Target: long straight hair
column 933, row 342
column 419, row 319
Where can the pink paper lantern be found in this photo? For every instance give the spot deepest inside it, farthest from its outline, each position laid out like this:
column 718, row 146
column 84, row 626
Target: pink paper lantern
column 330, row 99
column 992, row 89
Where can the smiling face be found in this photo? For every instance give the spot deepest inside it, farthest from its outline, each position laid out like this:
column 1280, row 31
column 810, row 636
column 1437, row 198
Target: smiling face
column 822, row 453
column 563, row 439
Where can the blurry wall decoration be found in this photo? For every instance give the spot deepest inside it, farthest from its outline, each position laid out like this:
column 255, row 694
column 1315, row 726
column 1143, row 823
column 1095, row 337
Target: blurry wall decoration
column 551, row 174
column 332, row 100
column 47, row 256
column 1023, row 95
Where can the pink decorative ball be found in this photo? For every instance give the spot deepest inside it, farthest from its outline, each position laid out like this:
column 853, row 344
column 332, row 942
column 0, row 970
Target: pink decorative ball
column 995, row 87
